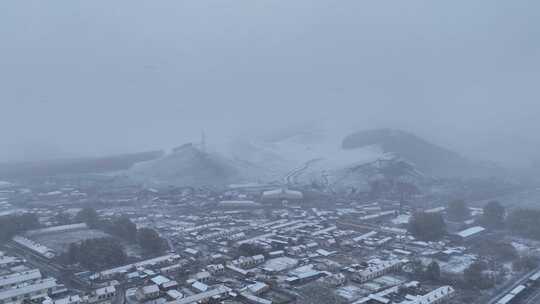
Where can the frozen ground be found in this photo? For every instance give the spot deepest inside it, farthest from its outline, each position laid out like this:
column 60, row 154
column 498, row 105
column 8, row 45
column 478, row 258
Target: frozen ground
column 457, row 264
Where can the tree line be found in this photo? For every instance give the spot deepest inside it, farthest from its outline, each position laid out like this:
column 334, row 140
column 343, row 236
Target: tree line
column 522, row 222
column 432, row 226
column 11, row 225
column 525, row 223
column 95, row 254
column 124, row 228
column 100, row 253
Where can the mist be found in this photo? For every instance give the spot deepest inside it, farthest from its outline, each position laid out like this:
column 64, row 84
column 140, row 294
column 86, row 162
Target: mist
column 85, row 78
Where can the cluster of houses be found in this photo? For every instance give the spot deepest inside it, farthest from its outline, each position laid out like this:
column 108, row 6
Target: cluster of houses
column 360, row 251
column 21, row 283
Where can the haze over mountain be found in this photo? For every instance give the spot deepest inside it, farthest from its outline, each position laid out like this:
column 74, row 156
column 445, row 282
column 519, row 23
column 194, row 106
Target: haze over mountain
column 301, row 156
column 75, row 166
column 89, row 78
column 427, row 157
column 313, row 156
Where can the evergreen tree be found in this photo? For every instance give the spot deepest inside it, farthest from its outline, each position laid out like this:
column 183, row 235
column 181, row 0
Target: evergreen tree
column 427, row 226
column 457, row 210
column 493, row 216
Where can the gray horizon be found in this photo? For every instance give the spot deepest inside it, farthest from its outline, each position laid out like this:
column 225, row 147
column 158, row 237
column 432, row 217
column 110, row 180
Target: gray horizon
column 88, row 78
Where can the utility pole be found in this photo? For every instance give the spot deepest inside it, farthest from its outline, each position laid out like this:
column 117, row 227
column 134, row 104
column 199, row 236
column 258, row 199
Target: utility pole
column 203, row 141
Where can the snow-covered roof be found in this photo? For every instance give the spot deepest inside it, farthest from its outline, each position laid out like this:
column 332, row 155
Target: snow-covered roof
column 160, row 280
column 174, row 294
column 201, row 296
column 282, row 194
column 55, row 229
column 34, row 246
column 470, row 231
column 201, row 287
column 150, row 289
column 35, row 288
column 19, row 277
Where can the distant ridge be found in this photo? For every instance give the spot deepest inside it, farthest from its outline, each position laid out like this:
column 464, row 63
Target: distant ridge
column 75, row 165
column 427, row 157
column 302, row 157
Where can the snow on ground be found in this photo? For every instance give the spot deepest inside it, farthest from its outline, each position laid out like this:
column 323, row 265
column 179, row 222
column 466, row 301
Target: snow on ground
column 509, row 271
column 457, row 264
column 401, row 219
column 328, row 152
column 306, row 153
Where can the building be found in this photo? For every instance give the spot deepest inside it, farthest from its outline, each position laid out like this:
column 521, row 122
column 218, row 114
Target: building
column 469, row 234
column 174, row 294
column 160, row 280
column 377, row 269
column 237, row 270
column 170, row 269
column 336, row 279
column 192, row 252
column 248, row 262
column 215, row 268
column 394, row 295
column 102, row 295
column 253, row 299
column 257, row 288
column 203, row 276
column 74, row 299
column 166, row 259
column 277, row 253
column 15, row 279
column 148, row 292
column 305, row 277
column 217, row 292
column 279, row 264
column 437, row 296
column 57, row 229
column 34, row 246
column 9, row 261
column 37, row 290
column 238, row 204
column 199, row 287
column 280, row 195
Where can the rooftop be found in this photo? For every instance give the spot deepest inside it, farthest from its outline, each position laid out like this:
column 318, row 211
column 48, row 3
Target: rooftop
column 470, row 231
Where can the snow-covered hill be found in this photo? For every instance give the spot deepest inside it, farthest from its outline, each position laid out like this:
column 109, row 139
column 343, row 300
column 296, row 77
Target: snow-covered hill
column 431, row 159
column 307, row 156
column 335, row 157
column 187, row 165
column 313, row 156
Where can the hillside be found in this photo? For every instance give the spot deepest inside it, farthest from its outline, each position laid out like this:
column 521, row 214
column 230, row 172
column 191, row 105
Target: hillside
column 188, row 165
column 427, row 157
column 312, row 156
column 75, row 166
column 306, row 156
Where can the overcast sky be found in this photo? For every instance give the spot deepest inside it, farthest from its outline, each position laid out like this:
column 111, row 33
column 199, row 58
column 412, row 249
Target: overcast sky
column 96, row 77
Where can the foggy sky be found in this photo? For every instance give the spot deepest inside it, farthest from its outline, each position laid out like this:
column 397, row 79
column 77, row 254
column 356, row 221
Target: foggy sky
column 95, row 77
